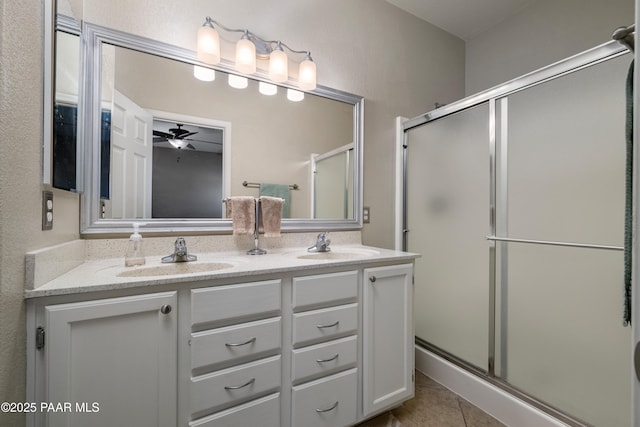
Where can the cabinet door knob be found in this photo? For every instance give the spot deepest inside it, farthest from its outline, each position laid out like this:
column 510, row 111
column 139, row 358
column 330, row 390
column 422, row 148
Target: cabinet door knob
column 165, row 309
column 372, row 279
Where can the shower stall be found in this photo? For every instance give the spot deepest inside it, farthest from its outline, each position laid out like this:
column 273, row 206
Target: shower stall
column 515, row 198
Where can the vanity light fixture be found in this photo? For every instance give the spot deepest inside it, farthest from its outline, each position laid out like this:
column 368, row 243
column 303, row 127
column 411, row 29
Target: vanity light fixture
column 250, row 47
column 267, row 88
column 295, row 95
column 204, row 74
column 238, row 82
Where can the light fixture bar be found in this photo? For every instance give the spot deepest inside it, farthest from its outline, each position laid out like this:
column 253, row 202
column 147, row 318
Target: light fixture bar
column 251, row 46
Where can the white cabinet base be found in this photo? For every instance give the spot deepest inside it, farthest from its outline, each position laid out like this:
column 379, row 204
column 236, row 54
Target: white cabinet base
column 388, row 339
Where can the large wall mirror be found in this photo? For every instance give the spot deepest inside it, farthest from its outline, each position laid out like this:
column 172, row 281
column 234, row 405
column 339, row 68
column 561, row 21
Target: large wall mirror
column 165, row 148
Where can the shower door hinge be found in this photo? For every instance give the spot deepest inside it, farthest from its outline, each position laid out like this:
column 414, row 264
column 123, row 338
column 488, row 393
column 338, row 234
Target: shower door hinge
column 39, row 338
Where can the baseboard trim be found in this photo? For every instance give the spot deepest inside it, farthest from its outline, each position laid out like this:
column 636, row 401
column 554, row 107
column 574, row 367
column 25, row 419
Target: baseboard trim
column 506, row 408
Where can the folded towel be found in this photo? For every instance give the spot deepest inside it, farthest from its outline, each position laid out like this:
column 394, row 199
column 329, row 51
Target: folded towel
column 242, row 210
column 271, row 215
column 278, row 190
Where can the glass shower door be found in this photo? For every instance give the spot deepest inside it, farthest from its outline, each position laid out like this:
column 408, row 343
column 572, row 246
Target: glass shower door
column 448, row 216
column 562, row 339
column 533, row 296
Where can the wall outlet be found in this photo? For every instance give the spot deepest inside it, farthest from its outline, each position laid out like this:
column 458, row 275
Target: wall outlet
column 365, row 215
column 47, row 210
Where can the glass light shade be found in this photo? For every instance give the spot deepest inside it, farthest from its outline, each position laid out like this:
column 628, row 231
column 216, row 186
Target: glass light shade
column 278, row 66
column 204, row 74
column 267, row 88
column 178, row 143
column 307, row 74
column 295, row 95
column 246, row 56
column 208, row 45
column 238, row 82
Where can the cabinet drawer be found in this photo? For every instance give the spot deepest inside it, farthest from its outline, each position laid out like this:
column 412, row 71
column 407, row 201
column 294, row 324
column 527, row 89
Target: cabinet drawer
column 324, row 359
column 248, row 300
column 235, row 385
column 235, row 344
column 327, row 402
column 324, row 324
column 263, row 412
column 324, row 289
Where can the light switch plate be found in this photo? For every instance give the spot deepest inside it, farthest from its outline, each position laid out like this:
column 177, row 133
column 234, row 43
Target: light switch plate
column 365, row 215
column 47, row 210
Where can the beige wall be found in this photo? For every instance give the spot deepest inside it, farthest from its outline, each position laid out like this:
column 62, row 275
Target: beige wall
column 21, row 133
column 368, row 47
column 542, row 33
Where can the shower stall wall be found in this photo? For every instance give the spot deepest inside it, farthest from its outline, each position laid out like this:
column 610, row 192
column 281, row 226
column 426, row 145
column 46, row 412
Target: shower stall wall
column 515, row 198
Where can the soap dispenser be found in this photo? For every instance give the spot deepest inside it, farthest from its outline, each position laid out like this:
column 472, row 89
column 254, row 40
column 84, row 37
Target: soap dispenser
column 133, row 255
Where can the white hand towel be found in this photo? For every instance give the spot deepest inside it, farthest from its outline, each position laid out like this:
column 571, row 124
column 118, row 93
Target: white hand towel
column 271, row 215
column 243, row 214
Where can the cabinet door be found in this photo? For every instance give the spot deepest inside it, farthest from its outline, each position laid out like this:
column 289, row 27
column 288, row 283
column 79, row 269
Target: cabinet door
column 113, row 362
column 388, row 342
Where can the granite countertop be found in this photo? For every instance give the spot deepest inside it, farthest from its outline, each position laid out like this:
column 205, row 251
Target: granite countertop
column 111, row 274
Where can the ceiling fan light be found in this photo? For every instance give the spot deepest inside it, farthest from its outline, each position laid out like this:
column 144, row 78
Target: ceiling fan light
column 245, row 55
column 178, row 143
column 208, row 43
column 204, row 74
column 278, row 65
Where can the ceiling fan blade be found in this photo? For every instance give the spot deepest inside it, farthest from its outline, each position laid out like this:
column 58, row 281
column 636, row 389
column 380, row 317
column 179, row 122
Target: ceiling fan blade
column 162, row 134
column 203, row 141
column 183, row 136
column 191, row 146
column 159, row 139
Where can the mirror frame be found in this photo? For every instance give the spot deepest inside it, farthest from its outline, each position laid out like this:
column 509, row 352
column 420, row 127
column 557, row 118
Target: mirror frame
column 90, row 223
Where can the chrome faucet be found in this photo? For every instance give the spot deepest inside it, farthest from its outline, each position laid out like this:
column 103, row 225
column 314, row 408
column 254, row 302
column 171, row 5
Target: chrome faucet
column 322, row 244
column 179, row 253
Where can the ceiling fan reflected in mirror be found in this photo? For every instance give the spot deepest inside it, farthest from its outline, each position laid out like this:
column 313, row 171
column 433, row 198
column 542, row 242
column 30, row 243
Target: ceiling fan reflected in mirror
column 182, row 136
column 176, row 137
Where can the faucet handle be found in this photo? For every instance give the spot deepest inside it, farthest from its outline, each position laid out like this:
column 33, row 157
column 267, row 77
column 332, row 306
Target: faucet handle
column 322, row 239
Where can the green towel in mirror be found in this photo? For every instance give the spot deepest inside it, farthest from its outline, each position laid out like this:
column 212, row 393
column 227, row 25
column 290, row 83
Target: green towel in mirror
column 278, row 190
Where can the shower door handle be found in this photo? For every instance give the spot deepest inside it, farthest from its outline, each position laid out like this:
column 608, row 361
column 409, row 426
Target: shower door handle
column 636, row 360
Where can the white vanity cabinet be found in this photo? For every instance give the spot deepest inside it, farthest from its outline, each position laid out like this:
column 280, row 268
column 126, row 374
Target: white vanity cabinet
column 321, row 346
column 388, row 337
column 109, row 362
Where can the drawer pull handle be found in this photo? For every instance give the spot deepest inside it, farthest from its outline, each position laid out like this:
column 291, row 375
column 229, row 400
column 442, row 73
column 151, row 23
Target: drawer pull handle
column 165, row 309
column 251, row 341
column 336, row 323
column 335, row 405
column 373, row 279
column 236, row 387
column 327, row 360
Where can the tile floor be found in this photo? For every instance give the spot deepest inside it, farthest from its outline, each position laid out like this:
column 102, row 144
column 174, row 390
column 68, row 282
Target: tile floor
column 433, row 406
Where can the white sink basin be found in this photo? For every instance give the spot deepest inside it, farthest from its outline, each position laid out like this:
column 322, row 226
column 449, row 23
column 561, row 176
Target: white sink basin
column 174, row 268
column 337, row 254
